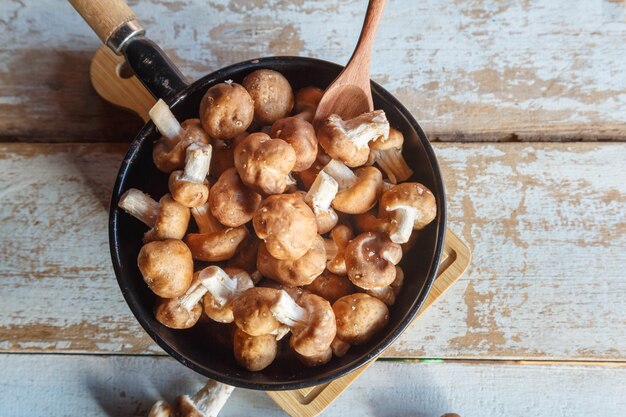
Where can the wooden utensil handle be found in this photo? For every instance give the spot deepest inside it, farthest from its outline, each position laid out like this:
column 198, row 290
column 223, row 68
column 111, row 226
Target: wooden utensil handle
column 372, row 19
column 104, row 16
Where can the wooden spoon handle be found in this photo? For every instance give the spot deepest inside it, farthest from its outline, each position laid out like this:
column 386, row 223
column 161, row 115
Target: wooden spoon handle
column 104, row 16
column 363, row 51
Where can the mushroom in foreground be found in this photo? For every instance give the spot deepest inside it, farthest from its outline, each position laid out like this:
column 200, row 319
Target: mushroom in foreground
column 213, row 242
column 319, row 198
column 358, row 191
column 301, row 271
column 389, row 294
column 388, row 155
column 183, row 312
column 411, row 206
column 370, row 260
column 207, row 402
column 167, row 219
column 264, row 163
column 223, row 286
column 168, row 153
column 336, row 247
column 306, row 102
column 311, row 320
column 254, row 353
column 272, row 95
column 251, row 311
column 300, row 134
column 231, row 202
column 166, row 266
column 359, row 317
column 331, row 286
column 348, row 140
column 190, row 187
column 226, row 110
column 286, row 224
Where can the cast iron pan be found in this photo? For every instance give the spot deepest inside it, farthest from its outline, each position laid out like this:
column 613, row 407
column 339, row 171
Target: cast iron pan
column 200, row 347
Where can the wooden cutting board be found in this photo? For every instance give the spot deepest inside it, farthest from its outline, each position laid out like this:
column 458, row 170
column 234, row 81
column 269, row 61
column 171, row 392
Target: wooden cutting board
column 113, row 82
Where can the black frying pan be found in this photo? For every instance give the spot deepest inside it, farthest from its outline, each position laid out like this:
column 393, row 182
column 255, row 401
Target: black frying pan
column 200, row 348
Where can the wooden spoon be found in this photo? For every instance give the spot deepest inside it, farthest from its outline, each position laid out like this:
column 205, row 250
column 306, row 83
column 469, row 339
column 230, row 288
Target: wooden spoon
column 350, row 94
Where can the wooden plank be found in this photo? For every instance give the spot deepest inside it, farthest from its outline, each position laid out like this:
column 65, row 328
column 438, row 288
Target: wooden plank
column 62, row 385
column 517, row 70
column 546, row 223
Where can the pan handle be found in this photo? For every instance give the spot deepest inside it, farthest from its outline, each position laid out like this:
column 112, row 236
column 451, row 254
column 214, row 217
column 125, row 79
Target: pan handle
column 115, row 24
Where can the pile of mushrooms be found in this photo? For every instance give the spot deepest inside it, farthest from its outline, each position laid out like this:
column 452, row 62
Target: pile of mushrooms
column 273, row 226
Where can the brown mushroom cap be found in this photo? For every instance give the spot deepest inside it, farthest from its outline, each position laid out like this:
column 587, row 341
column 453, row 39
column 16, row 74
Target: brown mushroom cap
column 359, row 317
column 341, row 236
column 251, row 311
column 246, row 255
column 311, row 320
column 286, row 224
column 226, row 110
column 169, row 155
column 264, row 163
column 231, row 202
column 170, row 313
column 300, row 134
column 272, row 95
column 223, row 313
column 361, row 196
column 184, row 311
column 306, row 102
column 331, row 286
column 189, row 194
column 301, row 271
column 166, row 266
column 190, row 187
column 217, row 246
column 370, row 260
column 316, row 360
column 368, row 222
column 389, row 294
column 254, row 353
column 347, row 140
column 294, row 292
column 411, row 205
column 171, row 222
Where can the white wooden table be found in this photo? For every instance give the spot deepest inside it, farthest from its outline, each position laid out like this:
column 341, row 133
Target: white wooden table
column 525, row 102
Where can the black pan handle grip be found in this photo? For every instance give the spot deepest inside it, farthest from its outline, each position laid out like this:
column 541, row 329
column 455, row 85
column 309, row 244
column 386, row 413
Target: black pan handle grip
column 115, row 24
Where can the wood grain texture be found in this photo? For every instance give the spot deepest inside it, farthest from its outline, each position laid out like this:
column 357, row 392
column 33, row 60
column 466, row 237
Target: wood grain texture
column 546, row 223
column 468, row 70
column 128, row 386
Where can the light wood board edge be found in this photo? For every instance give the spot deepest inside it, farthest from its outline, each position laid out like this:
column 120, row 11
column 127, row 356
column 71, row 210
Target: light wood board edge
column 310, row 402
column 127, row 93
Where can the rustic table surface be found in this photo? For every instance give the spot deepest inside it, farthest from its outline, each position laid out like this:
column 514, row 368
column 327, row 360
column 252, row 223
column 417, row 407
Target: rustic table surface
column 525, row 103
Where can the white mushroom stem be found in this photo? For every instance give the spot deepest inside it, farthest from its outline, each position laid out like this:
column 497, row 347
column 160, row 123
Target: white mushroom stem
column 340, row 172
column 321, row 194
column 402, row 224
column 161, row 409
column 197, row 162
column 365, row 127
column 290, row 180
column 211, row 398
column 392, row 162
column 280, row 332
column 288, row 312
column 205, row 220
column 140, row 205
column 165, row 121
column 222, row 286
column 387, row 185
column 194, row 294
